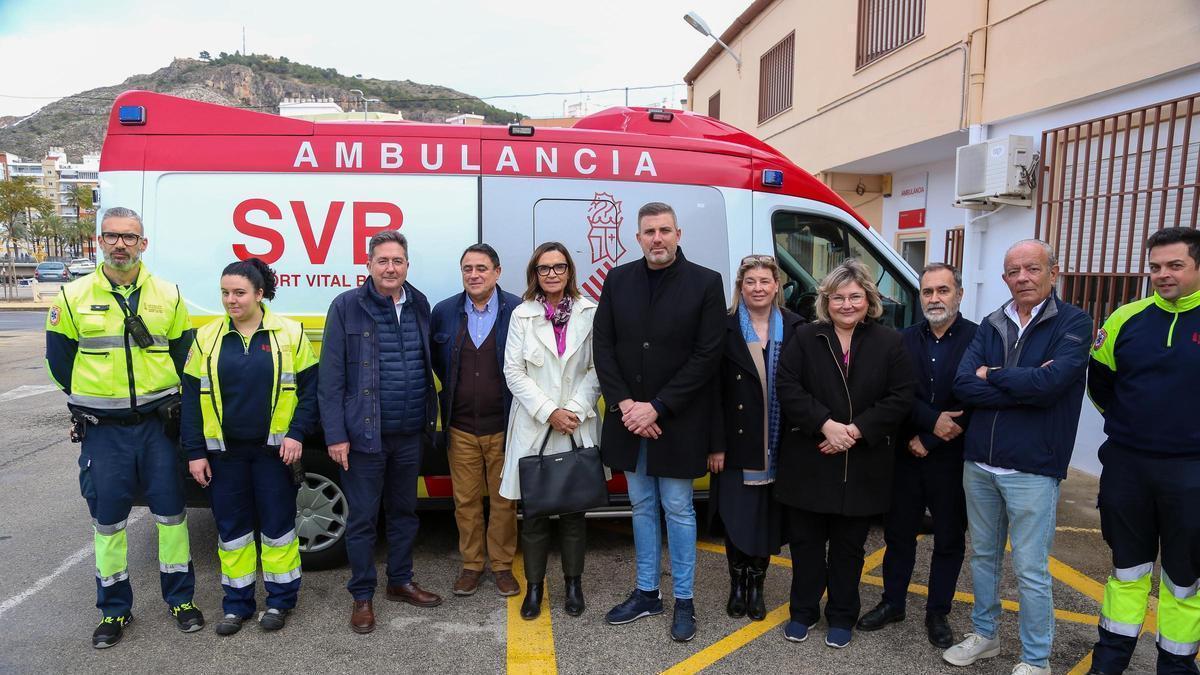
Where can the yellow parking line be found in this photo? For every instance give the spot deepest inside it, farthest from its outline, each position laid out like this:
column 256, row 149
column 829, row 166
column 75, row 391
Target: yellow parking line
column 530, row 643
column 755, row 629
column 1076, row 579
column 1010, row 605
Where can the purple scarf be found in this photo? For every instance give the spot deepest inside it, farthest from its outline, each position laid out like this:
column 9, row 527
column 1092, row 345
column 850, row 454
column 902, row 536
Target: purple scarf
column 558, row 316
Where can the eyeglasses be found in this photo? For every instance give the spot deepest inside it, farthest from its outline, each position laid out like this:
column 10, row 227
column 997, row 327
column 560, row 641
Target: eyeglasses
column 759, row 259
column 853, row 298
column 127, row 238
column 545, row 270
column 390, row 262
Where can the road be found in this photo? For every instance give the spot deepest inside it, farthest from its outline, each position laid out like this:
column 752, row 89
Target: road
column 47, row 589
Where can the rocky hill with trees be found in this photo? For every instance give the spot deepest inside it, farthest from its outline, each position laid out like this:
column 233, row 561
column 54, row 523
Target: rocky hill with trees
column 254, row 81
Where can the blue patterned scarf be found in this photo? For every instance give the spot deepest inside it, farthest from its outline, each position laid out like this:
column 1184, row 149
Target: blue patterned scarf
column 774, row 346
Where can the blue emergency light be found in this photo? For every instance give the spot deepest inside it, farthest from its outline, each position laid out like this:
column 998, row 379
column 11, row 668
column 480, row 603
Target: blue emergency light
column 772, row 178
column 132, row 115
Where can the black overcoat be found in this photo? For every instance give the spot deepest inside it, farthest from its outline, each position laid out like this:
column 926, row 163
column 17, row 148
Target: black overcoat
column 666, row 347
column 738, row 420
column 875, row 395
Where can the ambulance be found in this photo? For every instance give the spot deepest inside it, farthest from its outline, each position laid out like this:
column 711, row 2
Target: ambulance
column 215, row 184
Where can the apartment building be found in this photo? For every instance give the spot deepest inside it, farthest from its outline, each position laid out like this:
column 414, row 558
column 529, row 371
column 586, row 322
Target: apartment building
column 876, row 96
column 57, row 177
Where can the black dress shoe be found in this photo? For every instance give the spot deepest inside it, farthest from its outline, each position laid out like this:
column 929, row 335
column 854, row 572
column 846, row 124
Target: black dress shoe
column 532, row 606
column 574, row 596
column 938, row 627
column 882, row 615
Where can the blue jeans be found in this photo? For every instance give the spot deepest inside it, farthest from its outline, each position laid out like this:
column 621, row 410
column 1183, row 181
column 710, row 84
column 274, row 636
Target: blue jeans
column 390, row 477
column 675, row 495
column 1022, row 506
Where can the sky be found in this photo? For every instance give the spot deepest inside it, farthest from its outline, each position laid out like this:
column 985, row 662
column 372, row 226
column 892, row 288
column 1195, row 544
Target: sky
column 55, row 48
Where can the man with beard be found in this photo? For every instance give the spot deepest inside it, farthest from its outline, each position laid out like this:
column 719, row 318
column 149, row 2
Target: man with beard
column 116, row 342
column 929, row 462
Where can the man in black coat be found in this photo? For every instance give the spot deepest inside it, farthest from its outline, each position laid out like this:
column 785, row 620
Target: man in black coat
column 657, row 340
column 929, row 462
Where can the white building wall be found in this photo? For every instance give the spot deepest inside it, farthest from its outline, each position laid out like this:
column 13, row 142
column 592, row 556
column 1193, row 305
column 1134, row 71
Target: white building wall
column 988, row 238
column 939, row 214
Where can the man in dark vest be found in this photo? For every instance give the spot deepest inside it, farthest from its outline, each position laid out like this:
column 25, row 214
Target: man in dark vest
column 378, row 405
column 468, row 333
column 657, row 339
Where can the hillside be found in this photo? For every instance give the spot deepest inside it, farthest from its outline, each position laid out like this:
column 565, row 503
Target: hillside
column 77, row 123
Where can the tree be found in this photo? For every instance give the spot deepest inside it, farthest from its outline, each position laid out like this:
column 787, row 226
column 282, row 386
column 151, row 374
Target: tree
column 19, row 198
column 85, row 233
column 79, row 196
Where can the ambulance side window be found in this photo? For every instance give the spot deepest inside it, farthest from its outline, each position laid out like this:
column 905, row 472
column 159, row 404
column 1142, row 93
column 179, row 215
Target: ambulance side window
column 809, row 246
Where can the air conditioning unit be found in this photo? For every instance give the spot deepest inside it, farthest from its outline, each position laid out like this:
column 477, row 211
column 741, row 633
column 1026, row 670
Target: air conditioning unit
column 995, row 171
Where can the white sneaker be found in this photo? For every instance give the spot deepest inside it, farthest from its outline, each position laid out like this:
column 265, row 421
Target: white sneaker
column 971, row 649
column 1023, row 668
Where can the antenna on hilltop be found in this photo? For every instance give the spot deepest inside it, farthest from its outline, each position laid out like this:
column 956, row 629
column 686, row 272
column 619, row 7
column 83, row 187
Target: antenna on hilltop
column 243, row 40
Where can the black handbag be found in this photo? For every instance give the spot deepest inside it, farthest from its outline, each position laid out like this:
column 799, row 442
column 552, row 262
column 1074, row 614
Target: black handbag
column 564, row 482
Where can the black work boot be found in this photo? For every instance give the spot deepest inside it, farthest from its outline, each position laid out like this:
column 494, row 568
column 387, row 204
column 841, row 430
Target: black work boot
column 110, row 630
column 756, row 574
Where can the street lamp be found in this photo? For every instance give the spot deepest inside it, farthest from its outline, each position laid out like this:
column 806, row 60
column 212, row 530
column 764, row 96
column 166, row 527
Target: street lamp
column 367, row 105
column 696, row 22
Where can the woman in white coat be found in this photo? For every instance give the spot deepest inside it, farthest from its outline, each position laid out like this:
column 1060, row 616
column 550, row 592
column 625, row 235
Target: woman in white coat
column 549, row 368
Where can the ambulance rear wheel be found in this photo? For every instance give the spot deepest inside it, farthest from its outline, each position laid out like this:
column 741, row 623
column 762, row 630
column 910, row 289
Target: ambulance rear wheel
column 321, row 516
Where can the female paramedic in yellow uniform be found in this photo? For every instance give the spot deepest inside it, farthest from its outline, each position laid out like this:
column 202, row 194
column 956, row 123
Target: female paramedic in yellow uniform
column 249, row 399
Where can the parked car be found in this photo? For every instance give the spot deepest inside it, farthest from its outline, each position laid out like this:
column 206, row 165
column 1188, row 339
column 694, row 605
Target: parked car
column 81, row 266
column 52, row 271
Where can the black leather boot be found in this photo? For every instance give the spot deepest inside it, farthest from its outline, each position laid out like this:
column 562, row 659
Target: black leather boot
column 756, row 574
column 574, row 596
column 532, row 606
column 736, row 607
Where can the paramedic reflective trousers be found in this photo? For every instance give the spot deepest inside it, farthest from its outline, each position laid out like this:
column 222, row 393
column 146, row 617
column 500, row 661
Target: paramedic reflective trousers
column 251, row 484
column 1146, row 503
column 116, row 463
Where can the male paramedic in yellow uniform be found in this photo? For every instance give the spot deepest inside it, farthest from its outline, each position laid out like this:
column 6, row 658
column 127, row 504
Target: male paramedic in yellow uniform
column 1143, row 374
column 116, row 342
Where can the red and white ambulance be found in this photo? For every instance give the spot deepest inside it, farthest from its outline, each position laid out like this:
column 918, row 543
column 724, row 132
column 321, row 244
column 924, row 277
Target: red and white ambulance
column 214, row 184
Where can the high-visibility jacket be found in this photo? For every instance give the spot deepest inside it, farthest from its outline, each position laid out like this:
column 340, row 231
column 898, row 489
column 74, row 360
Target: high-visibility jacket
column 108, row 370
column 1145, row 364
column 291, row 353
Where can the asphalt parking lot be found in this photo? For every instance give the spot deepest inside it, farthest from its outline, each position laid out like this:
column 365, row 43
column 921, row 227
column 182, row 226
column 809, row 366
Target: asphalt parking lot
column 47, row 589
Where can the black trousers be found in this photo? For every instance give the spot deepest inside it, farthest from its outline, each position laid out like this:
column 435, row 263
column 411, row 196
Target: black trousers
column 918, row 484
column 814, row 570
column 535, row 545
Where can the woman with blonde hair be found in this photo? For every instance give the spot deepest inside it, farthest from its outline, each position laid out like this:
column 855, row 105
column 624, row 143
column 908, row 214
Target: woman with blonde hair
column 845, row 387
column 746, row 431
column 549, row 368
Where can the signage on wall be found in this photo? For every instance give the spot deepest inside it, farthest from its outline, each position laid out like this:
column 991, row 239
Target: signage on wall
column 910, row 190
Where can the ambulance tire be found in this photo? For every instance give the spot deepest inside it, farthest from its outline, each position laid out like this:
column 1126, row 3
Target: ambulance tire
column 321, row 513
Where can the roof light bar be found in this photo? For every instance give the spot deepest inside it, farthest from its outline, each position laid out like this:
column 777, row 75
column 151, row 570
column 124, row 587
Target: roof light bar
column 132, row 115
column 772, row 178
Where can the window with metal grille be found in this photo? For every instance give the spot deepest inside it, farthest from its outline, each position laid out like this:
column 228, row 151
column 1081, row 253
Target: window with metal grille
column 775, row 72
column 887, row 25
column 1108, row 184
column 954, row 247
column 714, row 106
